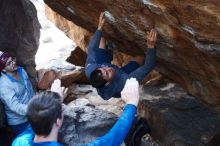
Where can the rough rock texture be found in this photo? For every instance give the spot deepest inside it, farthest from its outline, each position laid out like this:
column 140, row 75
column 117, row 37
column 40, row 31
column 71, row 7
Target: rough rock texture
column 84, row 94
column 75, row 76
column 82, row 121
column 20, row 32
column 81, row 37
column 188, row 43
column 78, row 34
column 77, row 57
column 176, row 118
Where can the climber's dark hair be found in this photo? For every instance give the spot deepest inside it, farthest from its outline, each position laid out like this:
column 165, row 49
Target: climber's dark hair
column 96, row 79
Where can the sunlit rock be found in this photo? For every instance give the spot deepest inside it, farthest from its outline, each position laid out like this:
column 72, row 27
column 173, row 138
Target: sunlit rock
column 188, row 45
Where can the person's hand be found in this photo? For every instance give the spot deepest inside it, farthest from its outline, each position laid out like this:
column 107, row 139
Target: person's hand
column 130, row 93
column 101, row 20
column 151, row 38
column 56, row 87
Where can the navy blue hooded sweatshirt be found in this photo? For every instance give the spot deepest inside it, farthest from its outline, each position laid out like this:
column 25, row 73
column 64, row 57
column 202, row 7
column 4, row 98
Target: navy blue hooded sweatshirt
column 114, row 88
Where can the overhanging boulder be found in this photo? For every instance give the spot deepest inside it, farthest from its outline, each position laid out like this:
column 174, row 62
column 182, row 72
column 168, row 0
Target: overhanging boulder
column 188, row 43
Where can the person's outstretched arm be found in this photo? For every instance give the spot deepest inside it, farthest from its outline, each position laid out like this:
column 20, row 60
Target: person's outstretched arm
column 150, row 58
column 119, row 131
column 94, row 43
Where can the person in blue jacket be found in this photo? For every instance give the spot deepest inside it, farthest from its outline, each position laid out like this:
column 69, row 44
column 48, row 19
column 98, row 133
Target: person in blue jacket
column 45, row 116
column 15, row 92
column 107, row 78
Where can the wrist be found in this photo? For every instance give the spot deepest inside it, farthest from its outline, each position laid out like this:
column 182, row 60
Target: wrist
column 132, row 103
column 99, row 28
column 150, row 46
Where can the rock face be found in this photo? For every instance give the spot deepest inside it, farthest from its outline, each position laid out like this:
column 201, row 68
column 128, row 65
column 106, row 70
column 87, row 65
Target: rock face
column 85, row 94
column 20, row 32
column 77, row 57
column 188, row 43
column 81, row 37
column 75, row 76
column 78, row 34
column 176, row 118
column 81, row 124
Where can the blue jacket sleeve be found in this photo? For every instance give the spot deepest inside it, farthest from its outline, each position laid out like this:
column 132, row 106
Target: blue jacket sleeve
column 149, row 64
column 93, row 45
column 119, row 131
column 25, row 138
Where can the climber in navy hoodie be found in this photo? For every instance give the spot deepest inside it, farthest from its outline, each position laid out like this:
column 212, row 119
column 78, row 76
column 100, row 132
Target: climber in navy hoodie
column 109, row 79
